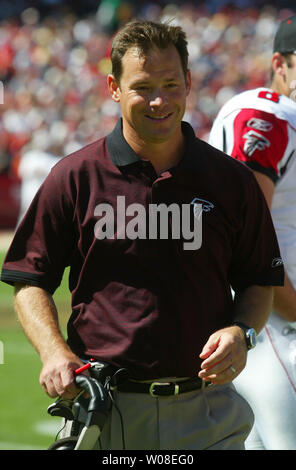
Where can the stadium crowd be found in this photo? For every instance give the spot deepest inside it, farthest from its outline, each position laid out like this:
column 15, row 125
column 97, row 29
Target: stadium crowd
column 53, row 68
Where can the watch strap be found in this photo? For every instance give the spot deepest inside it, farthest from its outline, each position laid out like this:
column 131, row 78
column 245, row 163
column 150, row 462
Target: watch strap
column 250, row 342
column 242, row 325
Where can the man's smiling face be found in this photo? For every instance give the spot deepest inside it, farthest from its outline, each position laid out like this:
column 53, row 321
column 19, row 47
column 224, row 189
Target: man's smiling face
column 152, row 94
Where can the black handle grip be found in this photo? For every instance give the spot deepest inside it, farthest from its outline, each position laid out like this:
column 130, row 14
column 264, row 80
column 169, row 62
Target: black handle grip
column 99, row 398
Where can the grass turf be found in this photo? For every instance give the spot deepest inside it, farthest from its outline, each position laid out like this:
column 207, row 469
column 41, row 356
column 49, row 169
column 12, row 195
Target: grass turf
column 25, row 423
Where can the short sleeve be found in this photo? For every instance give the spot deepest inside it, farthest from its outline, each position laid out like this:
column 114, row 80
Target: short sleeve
column 256, row 257
column 43, row 243
column 260, row 140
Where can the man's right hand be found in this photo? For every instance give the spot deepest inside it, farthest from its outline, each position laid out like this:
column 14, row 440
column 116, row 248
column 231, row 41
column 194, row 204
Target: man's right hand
column 57, row 375
column 39, row 318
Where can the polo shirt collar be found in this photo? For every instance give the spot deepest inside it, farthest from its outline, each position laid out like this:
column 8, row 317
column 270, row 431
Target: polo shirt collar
column 121, row 152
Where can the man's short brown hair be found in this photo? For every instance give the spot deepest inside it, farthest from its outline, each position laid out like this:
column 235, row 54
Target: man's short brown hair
column 146, row 35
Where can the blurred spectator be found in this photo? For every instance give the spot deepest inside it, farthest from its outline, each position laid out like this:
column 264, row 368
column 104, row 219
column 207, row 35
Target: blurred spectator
column 54, row 66
column 34, row 166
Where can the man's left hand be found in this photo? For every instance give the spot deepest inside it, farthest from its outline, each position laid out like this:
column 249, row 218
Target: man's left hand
column 224, row 356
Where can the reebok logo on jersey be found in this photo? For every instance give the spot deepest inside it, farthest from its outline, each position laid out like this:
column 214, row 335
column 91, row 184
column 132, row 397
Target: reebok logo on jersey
column 254, row 141
column 277, row 262
column 260, row 124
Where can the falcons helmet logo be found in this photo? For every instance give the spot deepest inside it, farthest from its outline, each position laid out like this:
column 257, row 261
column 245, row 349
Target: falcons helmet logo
column 254, row 141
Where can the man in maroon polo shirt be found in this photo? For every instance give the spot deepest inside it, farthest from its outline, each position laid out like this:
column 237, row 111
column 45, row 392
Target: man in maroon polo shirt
column 154, row 299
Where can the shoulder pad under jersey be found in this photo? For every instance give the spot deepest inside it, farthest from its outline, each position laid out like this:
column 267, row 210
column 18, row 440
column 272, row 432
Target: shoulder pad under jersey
column 263, row 99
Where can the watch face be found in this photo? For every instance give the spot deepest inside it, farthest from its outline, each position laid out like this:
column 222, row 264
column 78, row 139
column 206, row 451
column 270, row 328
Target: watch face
column 251, row 338
column 250, row 334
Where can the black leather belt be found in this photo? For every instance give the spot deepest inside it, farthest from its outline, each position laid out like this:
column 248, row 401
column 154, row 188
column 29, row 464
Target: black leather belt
column 160, row 389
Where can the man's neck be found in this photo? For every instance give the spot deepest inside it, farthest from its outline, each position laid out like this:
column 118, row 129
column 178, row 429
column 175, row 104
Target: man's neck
column 278, row 87
column 162, row 155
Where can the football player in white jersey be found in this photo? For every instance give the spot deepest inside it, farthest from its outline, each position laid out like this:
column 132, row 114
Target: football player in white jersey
column 258, row 127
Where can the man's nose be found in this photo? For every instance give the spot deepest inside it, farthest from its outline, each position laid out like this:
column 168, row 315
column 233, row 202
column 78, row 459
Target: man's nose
column 159, row 99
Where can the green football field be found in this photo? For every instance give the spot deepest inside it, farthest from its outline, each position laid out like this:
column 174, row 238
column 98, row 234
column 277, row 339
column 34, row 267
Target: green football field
column 24, row 421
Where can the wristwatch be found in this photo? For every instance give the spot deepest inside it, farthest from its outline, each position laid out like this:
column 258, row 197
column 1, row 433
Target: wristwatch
column 250, row 334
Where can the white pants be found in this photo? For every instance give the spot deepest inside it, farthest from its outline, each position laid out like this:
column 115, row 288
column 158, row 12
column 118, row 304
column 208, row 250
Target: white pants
column 214, row 418
column 268, row 383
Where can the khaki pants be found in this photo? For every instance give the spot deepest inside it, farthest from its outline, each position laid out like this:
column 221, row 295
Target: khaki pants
column 214, row 418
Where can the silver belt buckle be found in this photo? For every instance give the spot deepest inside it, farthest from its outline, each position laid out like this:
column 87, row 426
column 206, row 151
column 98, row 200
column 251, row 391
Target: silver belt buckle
column 151, row 392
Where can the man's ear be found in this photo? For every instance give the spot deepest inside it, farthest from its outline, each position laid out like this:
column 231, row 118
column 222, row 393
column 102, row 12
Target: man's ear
column 188, row 82
column 278, row 64
column 113, row 87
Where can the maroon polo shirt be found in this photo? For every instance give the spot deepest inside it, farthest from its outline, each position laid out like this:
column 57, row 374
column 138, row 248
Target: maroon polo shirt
column 146, row 304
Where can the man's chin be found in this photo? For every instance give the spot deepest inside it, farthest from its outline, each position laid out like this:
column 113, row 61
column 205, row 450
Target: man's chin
column 159, row 134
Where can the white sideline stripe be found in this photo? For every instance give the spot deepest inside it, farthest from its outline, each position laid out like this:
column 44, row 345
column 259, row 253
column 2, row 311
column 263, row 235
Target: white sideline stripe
column 18, row 446
column 18, row 349
column 48, row 428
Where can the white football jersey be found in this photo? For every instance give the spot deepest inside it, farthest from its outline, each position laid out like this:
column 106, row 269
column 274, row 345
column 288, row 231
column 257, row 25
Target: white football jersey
column 258, row 127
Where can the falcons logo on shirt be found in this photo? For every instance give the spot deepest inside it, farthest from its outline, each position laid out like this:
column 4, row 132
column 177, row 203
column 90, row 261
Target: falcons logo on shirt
column 254, row 141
